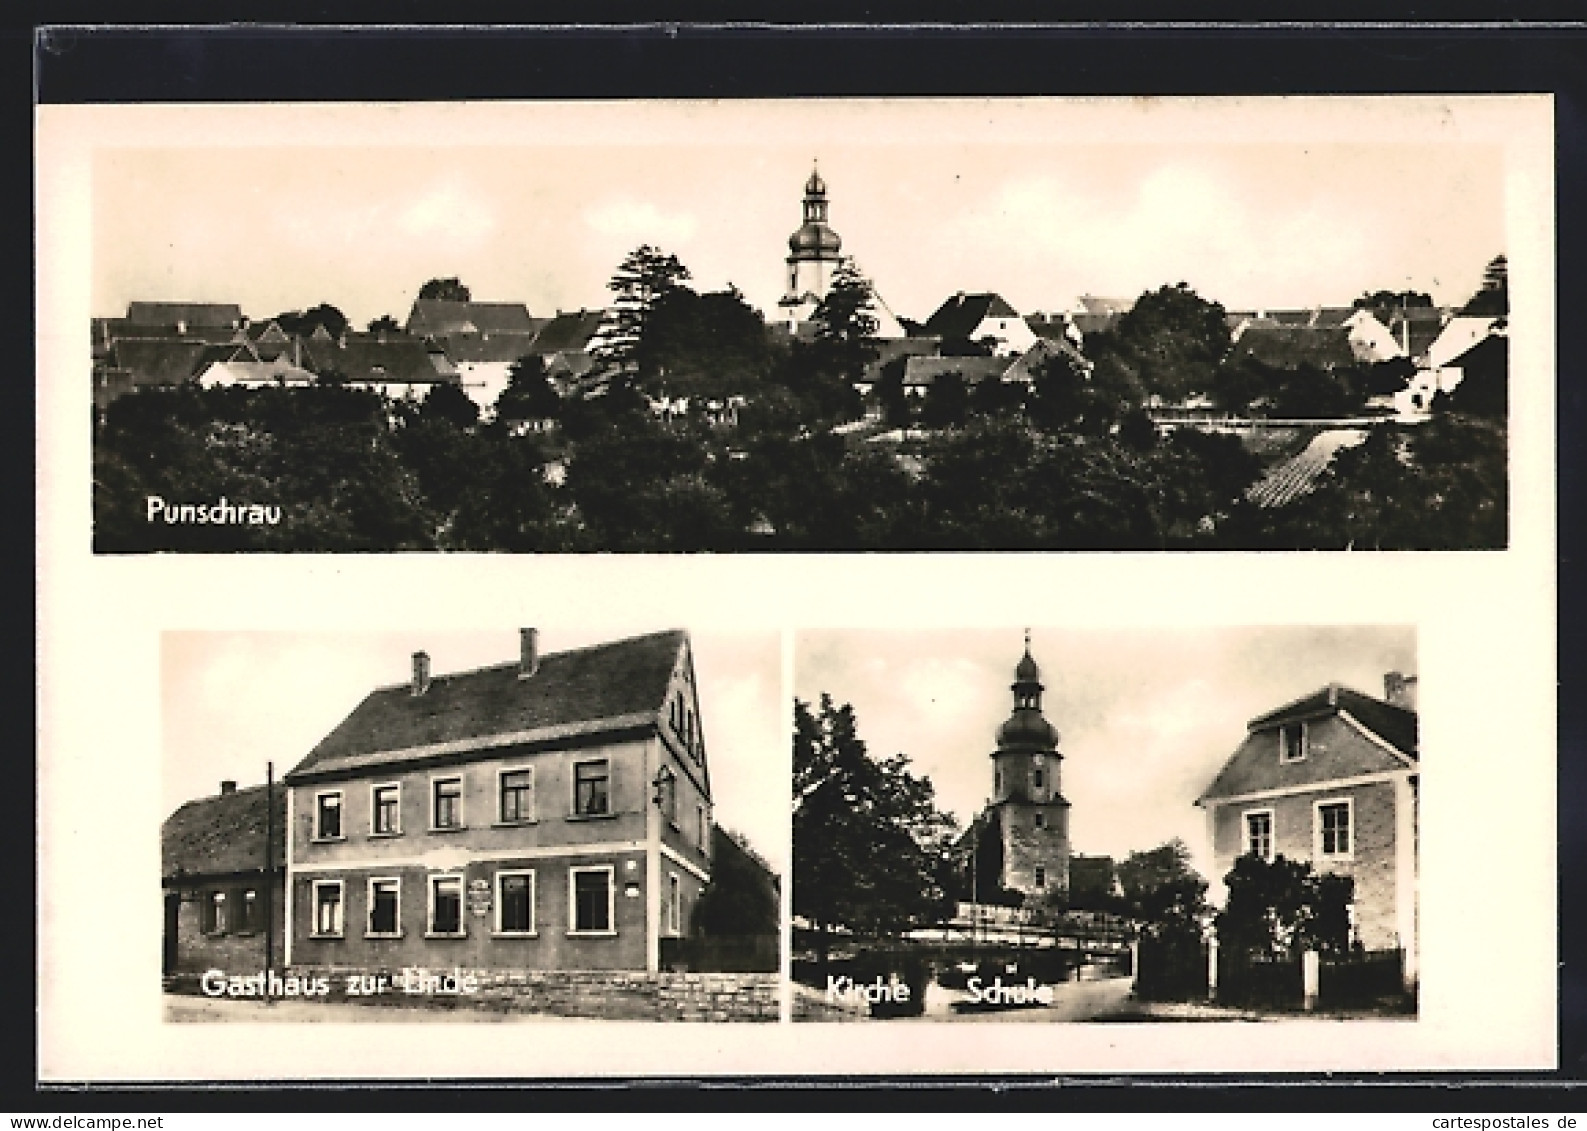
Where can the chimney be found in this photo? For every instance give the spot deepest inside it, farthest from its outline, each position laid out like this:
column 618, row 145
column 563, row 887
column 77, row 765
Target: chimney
column 228, row 786
column 421, row 673
column 528, row 652
column 1400, row 690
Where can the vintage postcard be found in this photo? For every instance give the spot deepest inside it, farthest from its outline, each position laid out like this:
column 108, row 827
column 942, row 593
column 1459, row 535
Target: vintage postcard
column 825, row 812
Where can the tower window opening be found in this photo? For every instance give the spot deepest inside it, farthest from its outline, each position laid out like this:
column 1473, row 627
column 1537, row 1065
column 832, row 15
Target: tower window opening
column 1036, row 779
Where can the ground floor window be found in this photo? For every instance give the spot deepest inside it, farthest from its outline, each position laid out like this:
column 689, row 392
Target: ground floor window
column 674, row 904
column 248, row 916
column 515, row 902
column 1259, row 833
column 385, row 897
column 591, row 890
column 213, row 915
column 446, row 905
column 328, row 909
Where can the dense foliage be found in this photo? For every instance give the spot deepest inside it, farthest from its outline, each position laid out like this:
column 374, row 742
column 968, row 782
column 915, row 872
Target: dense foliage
column 872, row 852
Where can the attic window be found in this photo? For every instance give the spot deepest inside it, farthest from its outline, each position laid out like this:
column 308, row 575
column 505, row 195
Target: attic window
column 1292, row 742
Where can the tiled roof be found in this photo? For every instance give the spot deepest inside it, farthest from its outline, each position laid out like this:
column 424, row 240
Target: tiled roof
column 1025, row 366
column 1298, row 475
column 583, row 691
column 488, row 347
column 215, row 315
column 1286, row 347
column 960, row 315
column 1395, row 725
column 158, row 361
column 570, row 331
column 366, row 359
column 1425, row 323
column 219, row 835
column 1254, row 766
column 974, row 370
column 440, row 317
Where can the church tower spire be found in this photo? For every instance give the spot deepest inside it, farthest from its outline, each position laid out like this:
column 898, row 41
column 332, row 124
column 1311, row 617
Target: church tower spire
column 813, row 254
column 1027, row 800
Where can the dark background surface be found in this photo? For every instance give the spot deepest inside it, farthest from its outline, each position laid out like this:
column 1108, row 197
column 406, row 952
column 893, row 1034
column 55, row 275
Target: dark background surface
column 217, row 64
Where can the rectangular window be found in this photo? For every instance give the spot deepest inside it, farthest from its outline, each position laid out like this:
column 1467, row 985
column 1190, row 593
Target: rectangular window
column 328, row 909
column 1036, row 779
column 248, row 917
column 214, row 913
column 386, row 810
column 1333, row 828
column 447, row 810
column 702, row 828
column 328, row 816
column 1292, row 742
column 1259, row 833
column 517, row 796
column 515, row 903
column 674, row 904
column 385, row 918
column 591, row 788
column 1041, row 820
column 446, row 905
column 1041, row 876
column 591, row 891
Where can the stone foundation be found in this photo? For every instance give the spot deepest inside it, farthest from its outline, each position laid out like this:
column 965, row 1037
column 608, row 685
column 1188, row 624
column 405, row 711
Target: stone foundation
column 612, row 995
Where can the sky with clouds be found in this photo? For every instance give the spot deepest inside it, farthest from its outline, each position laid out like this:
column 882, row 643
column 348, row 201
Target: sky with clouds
column 1040, row 205
column 1146, row 716
column 233, row 701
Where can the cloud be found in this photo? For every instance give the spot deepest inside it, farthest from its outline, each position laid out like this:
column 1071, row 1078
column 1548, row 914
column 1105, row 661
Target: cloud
column 448, row 211
column 639, row 221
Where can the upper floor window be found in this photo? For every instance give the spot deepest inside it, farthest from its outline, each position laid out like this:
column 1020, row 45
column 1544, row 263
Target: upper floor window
column 1036, row 779
column 1041, row 820
column 447, row 809
column 1041, row 876
column 1333, row 828
column 1292, row 742
column 328, row 815
column 517, row 795
column 702, row 828
column 1259, row 833
column 385, row 810
column 591, row 788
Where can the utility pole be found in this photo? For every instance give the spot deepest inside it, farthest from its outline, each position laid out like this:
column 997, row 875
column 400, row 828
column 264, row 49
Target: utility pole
column 269, row 873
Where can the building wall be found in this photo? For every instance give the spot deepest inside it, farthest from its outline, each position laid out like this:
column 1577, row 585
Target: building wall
column 232, row 950
column 1025, row 847
column 552, row 945
column 1372, row 861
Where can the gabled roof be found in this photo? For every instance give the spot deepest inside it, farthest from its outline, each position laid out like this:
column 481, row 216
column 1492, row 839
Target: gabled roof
column 1389, row 742
column 441, row 317
column 367, row 359
column 568, row 331
column 495, row 347
column 961, row 314
column 574, row 694
column 158, row 361
column 1425, row 324
column 1286, row 347
column 924, row 371
column 220, row 835
column 214, row 315
column 1025, row 366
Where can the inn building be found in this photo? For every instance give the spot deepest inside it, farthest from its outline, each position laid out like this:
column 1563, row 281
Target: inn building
column 552, row 813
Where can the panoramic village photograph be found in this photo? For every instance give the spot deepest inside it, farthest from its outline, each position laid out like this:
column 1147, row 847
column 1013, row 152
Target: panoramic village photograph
column 1122, row 825
column 858, row 326
column 472, row 826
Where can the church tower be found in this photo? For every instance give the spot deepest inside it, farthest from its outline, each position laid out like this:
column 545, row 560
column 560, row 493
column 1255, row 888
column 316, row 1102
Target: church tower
column 1028, row 807
column 812, row 256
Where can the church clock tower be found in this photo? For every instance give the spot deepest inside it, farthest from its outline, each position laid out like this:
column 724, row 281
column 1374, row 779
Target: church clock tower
column 812, row 256
column 1028, row 808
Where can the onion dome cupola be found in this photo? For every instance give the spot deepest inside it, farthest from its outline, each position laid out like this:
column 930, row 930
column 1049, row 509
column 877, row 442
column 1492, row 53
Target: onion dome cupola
column 814, row 238
column 1027, row 728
